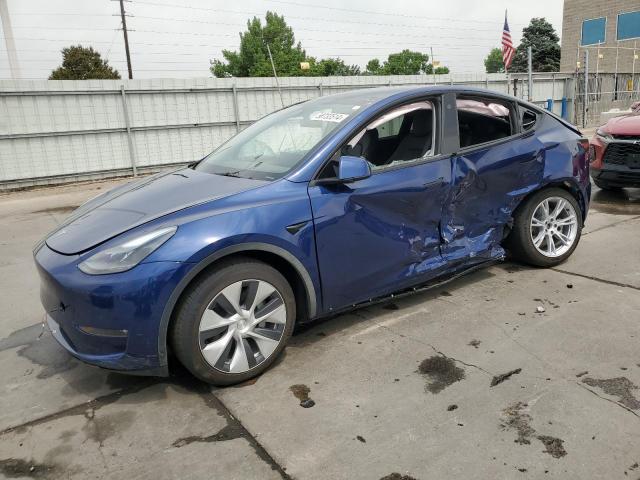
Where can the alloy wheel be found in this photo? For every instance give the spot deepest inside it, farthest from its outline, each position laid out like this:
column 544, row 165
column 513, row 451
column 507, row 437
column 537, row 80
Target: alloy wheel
column 242, row 326
column 554, row 226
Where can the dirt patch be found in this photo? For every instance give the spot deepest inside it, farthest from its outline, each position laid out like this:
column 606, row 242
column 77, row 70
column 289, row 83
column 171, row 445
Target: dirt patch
column 553, row 446
column 397, row 476
column 498, row 379
column 442, row 372
column 520, row 421
column 620, row 387
column 516, row 418
column 100, row 428
column 301, row 392
column 230, row 432
column 474, row 343
column 18, row 468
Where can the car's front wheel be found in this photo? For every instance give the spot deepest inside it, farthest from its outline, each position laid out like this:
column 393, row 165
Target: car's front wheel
column 234, row 321
column 546, row 228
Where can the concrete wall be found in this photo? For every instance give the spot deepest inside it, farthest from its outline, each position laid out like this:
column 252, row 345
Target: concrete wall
column 575, row 12
column 60, row 131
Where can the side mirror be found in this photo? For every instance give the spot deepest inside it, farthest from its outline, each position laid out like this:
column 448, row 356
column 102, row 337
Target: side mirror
column 352, row 168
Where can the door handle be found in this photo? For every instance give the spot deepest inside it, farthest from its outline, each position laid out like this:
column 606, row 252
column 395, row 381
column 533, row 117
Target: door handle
column 437, row 181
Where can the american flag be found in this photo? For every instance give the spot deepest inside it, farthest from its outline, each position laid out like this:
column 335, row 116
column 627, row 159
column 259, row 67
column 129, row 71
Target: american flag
column 507, row 45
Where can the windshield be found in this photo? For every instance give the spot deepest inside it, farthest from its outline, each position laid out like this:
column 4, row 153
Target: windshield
column 271, row 147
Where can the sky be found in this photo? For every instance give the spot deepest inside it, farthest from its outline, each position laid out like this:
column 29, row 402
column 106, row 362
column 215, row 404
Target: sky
column 178, row 38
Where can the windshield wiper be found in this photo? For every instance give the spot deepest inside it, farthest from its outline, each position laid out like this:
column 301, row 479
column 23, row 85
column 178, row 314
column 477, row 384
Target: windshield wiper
column 230, row 174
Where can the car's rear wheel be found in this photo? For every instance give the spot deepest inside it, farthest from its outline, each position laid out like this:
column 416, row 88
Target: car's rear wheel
column 232, row 323
column 605, row 186
column 547, row 228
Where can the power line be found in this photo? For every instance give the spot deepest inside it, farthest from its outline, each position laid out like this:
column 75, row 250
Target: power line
column 386, row 14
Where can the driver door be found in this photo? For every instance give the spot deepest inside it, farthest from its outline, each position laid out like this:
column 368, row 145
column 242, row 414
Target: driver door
column 382, row 233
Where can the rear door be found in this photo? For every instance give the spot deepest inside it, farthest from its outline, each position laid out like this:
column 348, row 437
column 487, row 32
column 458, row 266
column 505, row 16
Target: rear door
column 381, row 233
column 500, row 160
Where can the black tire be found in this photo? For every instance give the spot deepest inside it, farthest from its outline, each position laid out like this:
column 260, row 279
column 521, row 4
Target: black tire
column 184, row 334
column 605, row 186
column 519, row 242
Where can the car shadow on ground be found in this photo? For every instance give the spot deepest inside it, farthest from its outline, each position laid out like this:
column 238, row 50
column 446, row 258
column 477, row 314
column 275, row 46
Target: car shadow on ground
column 625, row 201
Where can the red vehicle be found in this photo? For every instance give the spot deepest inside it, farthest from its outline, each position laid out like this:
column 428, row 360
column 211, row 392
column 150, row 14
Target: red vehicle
column 615, row 153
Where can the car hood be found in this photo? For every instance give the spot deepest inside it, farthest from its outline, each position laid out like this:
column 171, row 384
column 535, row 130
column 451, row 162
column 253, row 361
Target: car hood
column 625, row 125
column 136, row 203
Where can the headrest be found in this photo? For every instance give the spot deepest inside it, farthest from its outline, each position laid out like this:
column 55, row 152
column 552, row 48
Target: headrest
column 422, row 123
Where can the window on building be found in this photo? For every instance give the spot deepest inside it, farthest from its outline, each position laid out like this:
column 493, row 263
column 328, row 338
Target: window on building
column 628, row 25
column 594, row 31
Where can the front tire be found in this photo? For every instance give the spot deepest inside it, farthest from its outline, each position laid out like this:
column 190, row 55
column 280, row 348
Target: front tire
column 547, row 228
column 234, row 321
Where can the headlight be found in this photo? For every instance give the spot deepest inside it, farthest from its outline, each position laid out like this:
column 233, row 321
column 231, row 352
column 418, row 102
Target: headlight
column 126, row 255
column 601, row 133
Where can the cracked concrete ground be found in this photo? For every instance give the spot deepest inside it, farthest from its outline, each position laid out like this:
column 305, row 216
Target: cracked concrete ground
column 401, row 388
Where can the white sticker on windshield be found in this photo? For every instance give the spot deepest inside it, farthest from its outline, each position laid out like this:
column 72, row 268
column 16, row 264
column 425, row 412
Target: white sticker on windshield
column 328, row 116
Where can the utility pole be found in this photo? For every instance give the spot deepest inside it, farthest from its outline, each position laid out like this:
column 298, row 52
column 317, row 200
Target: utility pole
column 530, row 69
column 126, row 38
column 8, row 40
column 433, row 67
column 585, row 107
column 275, row 75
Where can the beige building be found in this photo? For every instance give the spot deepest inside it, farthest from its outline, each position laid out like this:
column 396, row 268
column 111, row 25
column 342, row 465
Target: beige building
column 608, row 29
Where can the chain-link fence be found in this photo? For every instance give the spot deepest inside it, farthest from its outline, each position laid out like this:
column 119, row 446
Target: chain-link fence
column 604, row 92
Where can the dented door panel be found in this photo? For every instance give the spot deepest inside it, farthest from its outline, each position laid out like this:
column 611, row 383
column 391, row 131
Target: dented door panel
column 379, row 234
column 487, row 185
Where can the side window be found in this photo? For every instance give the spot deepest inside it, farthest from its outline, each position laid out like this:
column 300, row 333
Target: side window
column 528, row 118
column 482, row 120
column 390, row 128
column 404, row 134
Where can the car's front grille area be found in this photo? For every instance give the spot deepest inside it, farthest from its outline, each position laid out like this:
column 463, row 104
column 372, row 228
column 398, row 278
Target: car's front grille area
column 630, row 138
column 621, row 153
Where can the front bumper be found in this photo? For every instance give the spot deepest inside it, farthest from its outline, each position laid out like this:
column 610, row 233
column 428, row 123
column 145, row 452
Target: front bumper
column 111, row 321
column 617, row 176
column 615, row 162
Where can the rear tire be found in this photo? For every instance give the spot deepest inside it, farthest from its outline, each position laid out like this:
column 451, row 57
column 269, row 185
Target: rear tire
column 545, row 240
column 233, row 322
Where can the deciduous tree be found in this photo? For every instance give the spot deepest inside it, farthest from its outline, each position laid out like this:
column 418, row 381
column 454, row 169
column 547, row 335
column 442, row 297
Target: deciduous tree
column 82, row 63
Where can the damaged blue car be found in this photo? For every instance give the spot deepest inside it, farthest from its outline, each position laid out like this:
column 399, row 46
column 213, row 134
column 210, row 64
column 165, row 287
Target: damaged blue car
column 317, row 208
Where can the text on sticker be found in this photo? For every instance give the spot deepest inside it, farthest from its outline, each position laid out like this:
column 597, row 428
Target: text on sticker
column 328, row 116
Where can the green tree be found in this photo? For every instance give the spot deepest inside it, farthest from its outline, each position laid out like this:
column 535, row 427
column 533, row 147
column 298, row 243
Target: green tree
column 442, row 70
column 406, row 62
column 252, row 60
column 493, row 63
column 329, row 67
column 81, row 63
column 373, row 67
column 545, row 50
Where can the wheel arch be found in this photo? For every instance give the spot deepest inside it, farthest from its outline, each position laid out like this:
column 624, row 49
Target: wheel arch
column 569, row 185
column 282, row 260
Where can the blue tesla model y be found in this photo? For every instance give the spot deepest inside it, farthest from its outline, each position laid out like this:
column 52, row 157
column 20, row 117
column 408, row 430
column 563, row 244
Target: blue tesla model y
column 317, row 208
